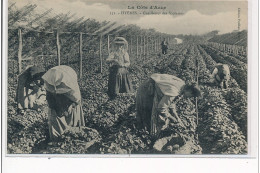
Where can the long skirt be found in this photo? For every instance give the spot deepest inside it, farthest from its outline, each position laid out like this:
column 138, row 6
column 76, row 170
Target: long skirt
column 164, row 50
column 144, row 104
column 119, row 81
column 147, row 100
column 57, row 125
column 24, row 96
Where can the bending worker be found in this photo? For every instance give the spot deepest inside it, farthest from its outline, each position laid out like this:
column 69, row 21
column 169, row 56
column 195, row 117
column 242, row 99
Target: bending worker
column 155, row 101
column 64, row 100
column 221, row 75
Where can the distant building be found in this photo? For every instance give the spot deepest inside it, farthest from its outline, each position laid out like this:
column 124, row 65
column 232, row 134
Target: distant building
column 177, row 41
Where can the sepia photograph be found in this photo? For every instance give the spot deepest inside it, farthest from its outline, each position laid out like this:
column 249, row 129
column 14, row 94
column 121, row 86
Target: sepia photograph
column 127, row 78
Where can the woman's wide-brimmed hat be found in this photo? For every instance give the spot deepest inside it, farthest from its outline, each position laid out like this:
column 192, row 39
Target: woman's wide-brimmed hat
column 120, row 40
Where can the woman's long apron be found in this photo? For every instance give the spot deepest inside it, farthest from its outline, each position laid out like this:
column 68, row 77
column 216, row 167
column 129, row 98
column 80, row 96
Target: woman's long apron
column 62, row 115
column 119, row 81
column 144, row 104
column 147, row 99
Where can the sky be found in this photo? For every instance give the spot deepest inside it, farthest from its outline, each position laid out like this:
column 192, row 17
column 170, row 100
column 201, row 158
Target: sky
column 186, row 17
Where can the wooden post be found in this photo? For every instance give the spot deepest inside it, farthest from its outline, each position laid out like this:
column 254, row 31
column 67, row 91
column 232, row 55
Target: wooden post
column 80, row 55
column 147, row 47
column 34, row 61
column 151, row 45
column 144, row 50
column 20, row 49
column 45, row 63
column 131, row 44
column 14, row 78
column 100, row 53
column 197, row 80
column 147, row 44
column 144, row 43
column 108, row 42
column 137, row 46
column 58, row 46
column 141, row 45
column 156, row 44
column 159, row 43
column 168, row 40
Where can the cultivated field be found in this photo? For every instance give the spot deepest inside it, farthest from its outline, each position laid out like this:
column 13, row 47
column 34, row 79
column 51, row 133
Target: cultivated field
column 222, row 123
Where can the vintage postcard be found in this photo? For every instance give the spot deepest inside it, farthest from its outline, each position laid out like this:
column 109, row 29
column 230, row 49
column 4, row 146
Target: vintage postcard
column 128, row 78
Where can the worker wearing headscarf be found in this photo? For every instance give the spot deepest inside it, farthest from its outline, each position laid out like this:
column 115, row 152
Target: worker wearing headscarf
column 119, row 80
column 64, row 100
column 155, row 101
column 221, row 75
column 29, row 88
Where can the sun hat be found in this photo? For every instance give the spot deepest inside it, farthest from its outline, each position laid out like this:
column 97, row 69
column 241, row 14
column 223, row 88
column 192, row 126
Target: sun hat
column 120, row 40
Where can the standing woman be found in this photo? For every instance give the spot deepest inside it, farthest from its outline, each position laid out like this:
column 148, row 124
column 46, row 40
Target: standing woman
column 119, row 80
column 64, row 100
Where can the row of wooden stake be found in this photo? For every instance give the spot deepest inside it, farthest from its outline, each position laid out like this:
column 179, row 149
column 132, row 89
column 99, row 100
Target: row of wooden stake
column 235, row 49
column 144, row 46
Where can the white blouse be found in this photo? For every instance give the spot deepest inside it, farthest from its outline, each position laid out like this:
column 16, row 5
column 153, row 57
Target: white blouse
column 121, row 59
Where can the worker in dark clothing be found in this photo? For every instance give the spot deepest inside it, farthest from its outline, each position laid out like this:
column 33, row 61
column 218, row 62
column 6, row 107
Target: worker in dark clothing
column 30, row 87
column 164, row 46
column 155, row 101
column 64, row 100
